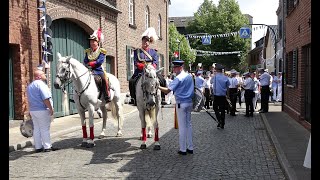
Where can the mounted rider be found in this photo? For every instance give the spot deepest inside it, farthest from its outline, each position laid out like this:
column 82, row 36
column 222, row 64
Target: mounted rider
column 141, row 56
column 95, row 57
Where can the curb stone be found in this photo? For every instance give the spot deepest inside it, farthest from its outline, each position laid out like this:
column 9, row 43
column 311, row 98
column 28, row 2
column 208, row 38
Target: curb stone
column 289, row 172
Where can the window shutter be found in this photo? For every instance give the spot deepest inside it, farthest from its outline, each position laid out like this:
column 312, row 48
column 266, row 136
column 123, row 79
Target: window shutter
column 294, row 67
column 162, row 60
column 128, row 63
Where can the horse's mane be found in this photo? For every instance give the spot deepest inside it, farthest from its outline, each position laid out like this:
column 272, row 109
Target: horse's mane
column 77, row 64
column 152, row 72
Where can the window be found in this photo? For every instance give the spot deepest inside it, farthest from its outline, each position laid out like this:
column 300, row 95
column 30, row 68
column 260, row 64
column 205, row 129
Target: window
column 291, row 4
column 159, row 26
column 161, row 63
column 130, row 62
column 147, row 17
column 131, row 12
column 291, row 69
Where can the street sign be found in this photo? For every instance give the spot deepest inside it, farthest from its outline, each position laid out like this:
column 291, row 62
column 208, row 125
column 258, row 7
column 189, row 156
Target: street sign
column 245, row 32
column 206, row 40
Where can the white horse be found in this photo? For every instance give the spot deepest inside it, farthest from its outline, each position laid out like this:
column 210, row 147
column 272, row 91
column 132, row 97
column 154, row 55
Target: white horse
column 86, row 95
column 148, row 97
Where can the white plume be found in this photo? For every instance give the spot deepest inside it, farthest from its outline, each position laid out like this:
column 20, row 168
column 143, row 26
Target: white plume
column 151, row 33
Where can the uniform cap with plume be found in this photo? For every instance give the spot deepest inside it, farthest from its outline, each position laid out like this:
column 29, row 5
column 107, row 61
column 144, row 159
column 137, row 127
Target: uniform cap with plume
column 151, row 34
column 97, row 35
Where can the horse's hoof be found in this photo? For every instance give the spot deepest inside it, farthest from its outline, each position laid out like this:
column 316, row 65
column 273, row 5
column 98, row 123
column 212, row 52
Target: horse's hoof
column 91, row 145
column 84, row 144
column 119, row 135
column 101, row 137
column 149, row 136
column 143, row 146
column 156, row 147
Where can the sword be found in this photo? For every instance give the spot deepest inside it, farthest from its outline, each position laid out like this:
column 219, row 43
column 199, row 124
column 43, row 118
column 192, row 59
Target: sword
column 210, row 114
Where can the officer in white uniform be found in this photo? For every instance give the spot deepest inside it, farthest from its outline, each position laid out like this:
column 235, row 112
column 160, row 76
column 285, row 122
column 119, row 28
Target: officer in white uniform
column 183, row 90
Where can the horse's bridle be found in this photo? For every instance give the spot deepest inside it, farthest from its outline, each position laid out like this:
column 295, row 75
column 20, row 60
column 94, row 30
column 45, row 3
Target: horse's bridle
column 66, row 78
column 143, row 86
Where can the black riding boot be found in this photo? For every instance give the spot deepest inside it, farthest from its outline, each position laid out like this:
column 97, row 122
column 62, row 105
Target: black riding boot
column 132, row 89
column 105, row 90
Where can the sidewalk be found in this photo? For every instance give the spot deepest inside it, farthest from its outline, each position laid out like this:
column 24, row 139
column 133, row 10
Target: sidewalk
column 290, row 140
column 59, row 126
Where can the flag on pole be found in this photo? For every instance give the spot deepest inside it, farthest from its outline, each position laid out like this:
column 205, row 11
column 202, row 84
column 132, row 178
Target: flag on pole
column 176, row 54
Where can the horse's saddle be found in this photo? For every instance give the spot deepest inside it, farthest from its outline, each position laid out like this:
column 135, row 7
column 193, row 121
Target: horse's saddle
column 99, row 84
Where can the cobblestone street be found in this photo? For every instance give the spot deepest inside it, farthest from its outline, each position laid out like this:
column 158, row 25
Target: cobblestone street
column 240, row 151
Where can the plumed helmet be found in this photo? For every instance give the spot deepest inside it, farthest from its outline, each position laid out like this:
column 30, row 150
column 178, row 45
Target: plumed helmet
column 26, row 128
column 151, row 34
column 97, row 35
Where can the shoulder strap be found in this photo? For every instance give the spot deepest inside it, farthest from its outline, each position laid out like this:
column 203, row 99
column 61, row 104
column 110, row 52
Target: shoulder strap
column 147, row 54
column 104, row 51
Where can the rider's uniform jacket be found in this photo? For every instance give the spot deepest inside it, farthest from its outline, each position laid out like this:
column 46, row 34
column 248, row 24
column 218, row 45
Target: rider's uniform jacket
column 95, row 59
column 139, row 57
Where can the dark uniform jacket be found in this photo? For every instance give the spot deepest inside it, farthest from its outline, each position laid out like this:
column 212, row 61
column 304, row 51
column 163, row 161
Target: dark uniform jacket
column 139, row 56
column 97, row 58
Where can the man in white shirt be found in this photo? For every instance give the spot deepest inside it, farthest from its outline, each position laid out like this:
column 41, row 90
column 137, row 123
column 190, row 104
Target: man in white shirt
column 207, row 86
column 170, row 94
column 279, row 95
column 248, row 86
column 264, row 90
column 233, row 91
column 199, row 81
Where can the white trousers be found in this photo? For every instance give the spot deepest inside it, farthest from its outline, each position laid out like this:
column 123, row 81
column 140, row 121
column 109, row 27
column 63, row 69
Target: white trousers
column 41, row 129
column 274, row 96
column 169, row 97
column 279, row 96
column 254, row 100
column 185, row 126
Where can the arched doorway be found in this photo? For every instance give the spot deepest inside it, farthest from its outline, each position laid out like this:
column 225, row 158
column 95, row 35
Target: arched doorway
column 68, row 38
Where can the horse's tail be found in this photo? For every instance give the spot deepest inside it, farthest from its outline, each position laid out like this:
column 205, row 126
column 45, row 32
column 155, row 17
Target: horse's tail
column 117, row 112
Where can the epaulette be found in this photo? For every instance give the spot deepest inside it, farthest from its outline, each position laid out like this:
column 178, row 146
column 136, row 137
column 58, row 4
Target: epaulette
column 104, row 51
column 87, row 50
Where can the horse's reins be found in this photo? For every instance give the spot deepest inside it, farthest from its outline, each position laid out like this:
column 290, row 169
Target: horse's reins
column 86, row 85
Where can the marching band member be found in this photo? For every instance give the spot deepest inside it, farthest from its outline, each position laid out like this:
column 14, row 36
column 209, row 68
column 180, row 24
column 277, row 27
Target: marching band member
column 183, row 88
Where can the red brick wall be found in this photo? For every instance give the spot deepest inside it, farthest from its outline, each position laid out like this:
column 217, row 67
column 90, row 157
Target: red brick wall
column 25, row 34
column 294, row 96
column 24, row 39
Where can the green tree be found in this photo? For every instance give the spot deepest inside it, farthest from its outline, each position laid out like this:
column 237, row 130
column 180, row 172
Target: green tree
column 221, row 19
column 175, row 38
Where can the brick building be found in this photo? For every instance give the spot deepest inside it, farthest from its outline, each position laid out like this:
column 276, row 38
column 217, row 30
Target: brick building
column 73, row 21
column 297, row 77
column 24, row 52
